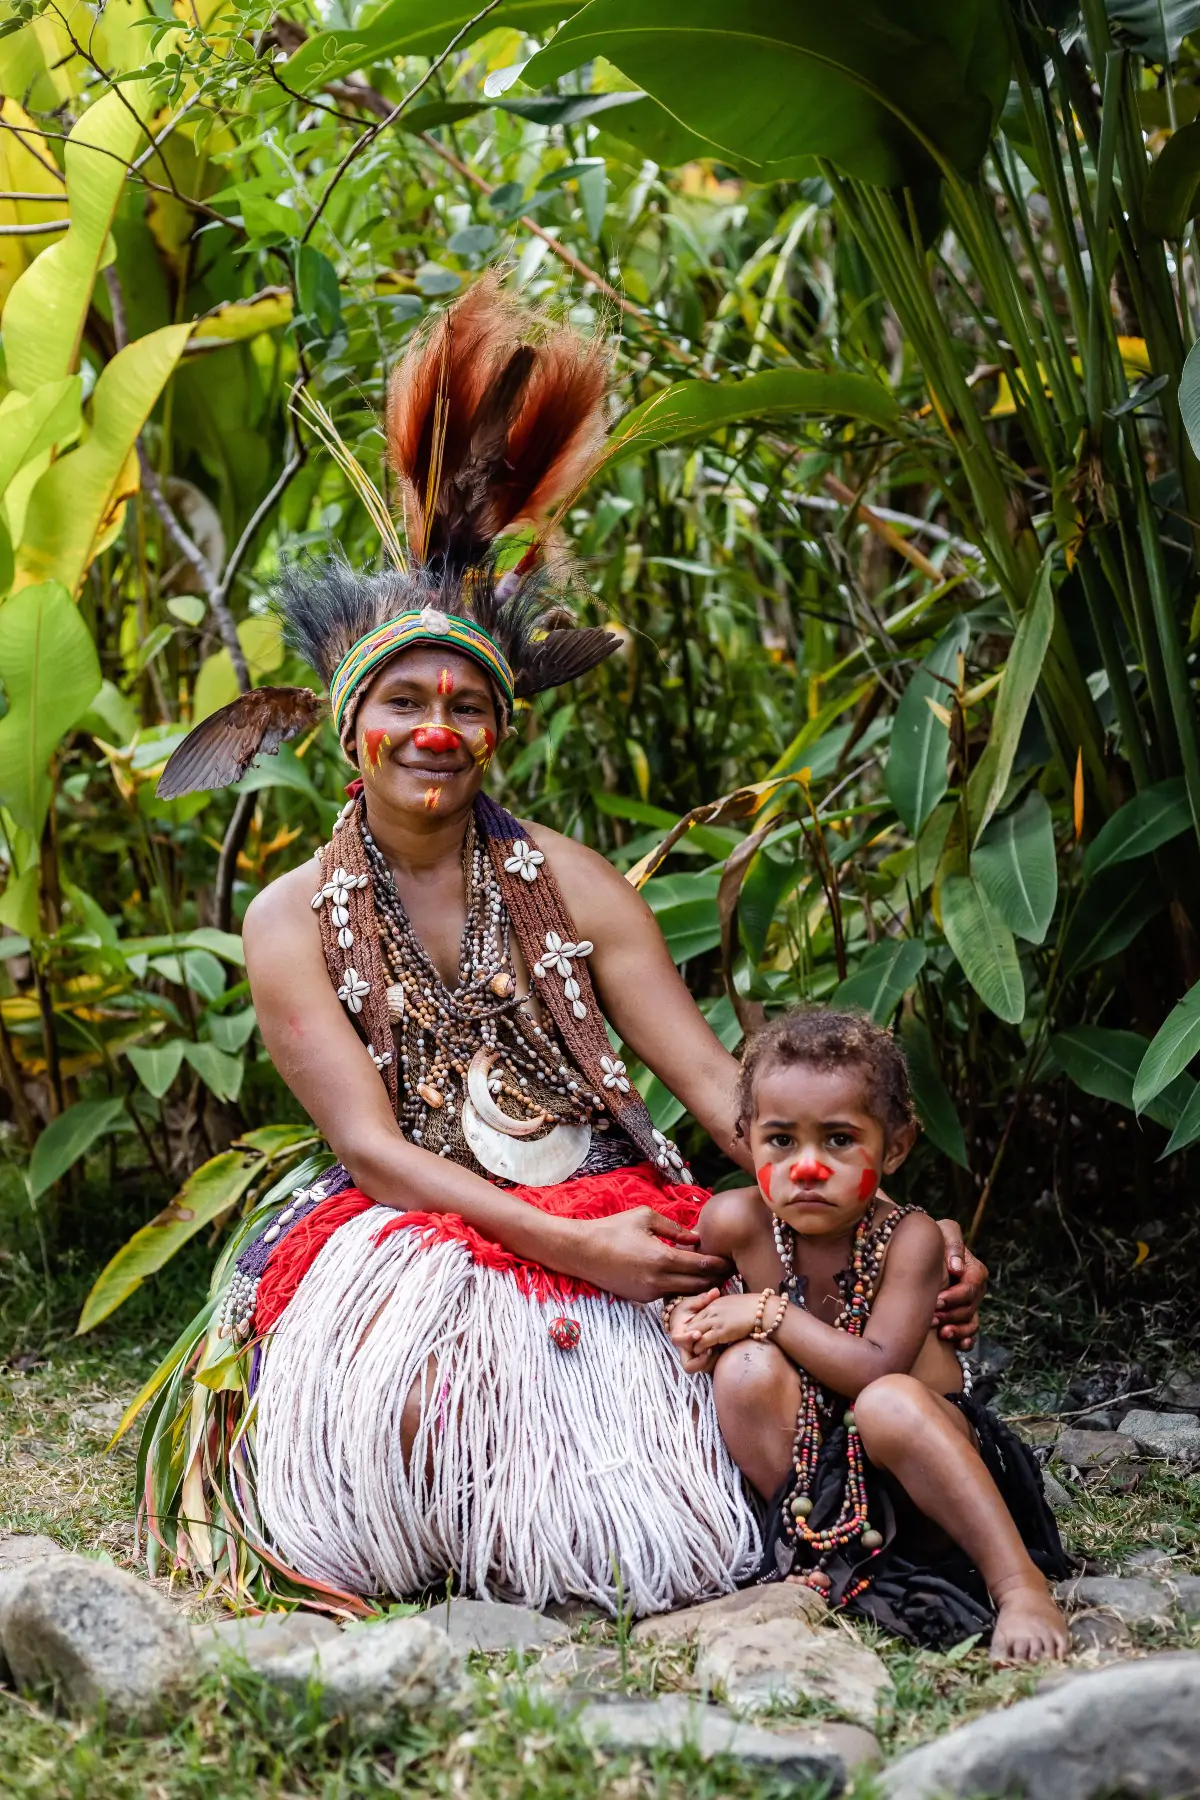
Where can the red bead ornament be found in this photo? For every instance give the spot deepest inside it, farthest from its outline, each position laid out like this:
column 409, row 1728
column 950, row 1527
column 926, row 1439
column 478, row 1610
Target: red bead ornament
column 564, row 1333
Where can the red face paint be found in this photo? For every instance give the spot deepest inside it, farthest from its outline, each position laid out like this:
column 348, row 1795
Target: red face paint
column 433, row 796
column 445, row 681
column 373, row 741
column 809, row 1169
column 437, row 738
column 868, row 1182
column 764, row 1178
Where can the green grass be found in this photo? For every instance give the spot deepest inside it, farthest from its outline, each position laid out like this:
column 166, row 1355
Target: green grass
column 237, row 1742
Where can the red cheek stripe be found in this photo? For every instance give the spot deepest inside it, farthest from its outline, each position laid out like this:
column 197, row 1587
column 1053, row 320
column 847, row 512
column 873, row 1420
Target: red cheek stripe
column 445, row 681
column 868, row 1182
column 763, row 1177
column 373, row 741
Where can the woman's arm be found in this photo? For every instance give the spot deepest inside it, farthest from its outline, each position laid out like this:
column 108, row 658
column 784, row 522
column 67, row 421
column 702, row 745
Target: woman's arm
column 896, row 1330
column 638, row 1255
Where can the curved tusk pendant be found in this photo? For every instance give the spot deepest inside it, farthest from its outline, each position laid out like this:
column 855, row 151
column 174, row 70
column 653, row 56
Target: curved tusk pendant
column 540, row 1162
column 491, row 1114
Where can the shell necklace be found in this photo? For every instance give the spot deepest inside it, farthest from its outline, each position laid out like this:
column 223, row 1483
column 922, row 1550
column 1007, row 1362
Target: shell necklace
column 480, row 1079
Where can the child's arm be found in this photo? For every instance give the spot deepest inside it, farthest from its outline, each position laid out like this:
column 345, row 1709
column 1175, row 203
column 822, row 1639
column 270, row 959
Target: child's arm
column 895, row 1332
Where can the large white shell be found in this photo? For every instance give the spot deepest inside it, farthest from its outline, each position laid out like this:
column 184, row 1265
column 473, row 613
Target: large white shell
column 538, row 1162
column 487, row 1109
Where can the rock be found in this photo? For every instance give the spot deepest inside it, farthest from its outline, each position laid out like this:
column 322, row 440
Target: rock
column 586, row 1668
column 1093, row 1449
column 1153, row 1562
column 573, row 1613
column 989, row 1359
column 17, row 1548
column 1185, row 1591
column 1122, row 1477
column 1057, row 1497
column 1099, row 1635
column 100, row 1420
column 1096, row 1421
column 820, row 1753
column 1131, row 1599
column 97, row 1636
column 1180, row 1391
column 785, row 1660
column 749, row 1606
column 260, row 1641
column 374, row 1676
column 489, row 1625
column 1175, row 1435
column 1133, row 1728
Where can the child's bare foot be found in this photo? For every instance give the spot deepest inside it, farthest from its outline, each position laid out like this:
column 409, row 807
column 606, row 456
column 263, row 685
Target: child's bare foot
column 1030, row 1627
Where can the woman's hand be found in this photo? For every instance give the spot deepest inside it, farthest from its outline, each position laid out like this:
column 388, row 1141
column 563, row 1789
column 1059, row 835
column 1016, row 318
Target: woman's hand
column 641, row 1255
column 956, row 1316
column 726, row 1319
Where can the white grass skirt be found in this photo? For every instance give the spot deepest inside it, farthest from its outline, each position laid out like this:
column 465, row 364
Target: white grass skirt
column 536, row 1474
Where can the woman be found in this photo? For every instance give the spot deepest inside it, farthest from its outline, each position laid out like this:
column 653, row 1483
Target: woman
column 458, row 1362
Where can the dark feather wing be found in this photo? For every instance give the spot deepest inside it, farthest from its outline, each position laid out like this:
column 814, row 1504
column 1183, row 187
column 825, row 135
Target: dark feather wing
column 561, row 656
column 222, row 747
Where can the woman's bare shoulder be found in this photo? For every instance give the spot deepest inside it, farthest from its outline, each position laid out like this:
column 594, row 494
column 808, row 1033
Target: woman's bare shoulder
column 284, row 906
column 596, row 894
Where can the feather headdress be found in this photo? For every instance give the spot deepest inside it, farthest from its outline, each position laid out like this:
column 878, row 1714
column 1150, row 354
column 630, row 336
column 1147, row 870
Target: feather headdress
column 494, row 419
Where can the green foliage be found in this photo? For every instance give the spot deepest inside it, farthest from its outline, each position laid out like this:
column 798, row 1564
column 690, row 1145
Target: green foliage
column 900, row 505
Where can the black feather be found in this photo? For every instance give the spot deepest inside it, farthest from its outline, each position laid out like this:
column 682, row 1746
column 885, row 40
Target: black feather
column 561, row 656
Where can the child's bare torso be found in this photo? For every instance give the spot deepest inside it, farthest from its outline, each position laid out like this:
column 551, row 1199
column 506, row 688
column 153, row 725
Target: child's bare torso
column 747, row 1236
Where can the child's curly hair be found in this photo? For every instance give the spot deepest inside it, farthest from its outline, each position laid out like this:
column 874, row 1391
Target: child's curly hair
column 824, row 1038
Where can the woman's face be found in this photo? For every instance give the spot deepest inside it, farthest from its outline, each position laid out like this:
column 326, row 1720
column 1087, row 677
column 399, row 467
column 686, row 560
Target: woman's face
column 425, row 731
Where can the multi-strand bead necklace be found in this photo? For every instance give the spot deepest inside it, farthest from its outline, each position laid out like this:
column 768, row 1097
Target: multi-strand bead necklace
column 815, row 1414
column 438, row 1030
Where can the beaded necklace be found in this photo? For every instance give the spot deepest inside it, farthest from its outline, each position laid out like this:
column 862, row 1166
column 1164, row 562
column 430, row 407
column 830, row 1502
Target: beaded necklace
column 857, row 1285
column 439, row 1030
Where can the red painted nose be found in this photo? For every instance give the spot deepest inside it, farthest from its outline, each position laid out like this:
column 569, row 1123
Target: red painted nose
column 436, row 738
column 809, row 1169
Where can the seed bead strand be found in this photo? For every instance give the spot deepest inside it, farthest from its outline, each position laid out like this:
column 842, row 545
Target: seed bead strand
column 858, row 1285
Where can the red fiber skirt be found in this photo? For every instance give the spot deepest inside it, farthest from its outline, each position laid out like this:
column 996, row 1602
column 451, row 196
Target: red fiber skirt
column 591, row 1197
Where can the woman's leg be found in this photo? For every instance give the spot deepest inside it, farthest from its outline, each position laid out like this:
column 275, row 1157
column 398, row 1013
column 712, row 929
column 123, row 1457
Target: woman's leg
column 927, row 1445
column 758, row 1396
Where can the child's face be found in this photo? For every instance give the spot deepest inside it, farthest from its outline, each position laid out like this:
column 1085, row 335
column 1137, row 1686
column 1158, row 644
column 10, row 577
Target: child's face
column 818, row 1152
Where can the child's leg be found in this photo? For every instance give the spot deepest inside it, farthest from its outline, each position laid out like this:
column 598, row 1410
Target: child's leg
column 926, row 1444
column 757, row 1391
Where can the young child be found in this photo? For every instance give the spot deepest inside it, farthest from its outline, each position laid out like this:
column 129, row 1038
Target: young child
column 891, row 1490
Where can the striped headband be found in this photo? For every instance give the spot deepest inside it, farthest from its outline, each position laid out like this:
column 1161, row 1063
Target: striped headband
column 423, row 626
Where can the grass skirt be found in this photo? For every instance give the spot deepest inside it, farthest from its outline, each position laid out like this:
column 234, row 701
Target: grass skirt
column 934, row 1601
column 537, row 1473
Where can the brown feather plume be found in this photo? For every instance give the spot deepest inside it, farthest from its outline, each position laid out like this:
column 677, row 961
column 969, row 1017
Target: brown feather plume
column 221, row 748
column 495, row 417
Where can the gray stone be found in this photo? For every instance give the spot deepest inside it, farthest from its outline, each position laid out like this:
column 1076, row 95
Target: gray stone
column 1057, row 1497
column 1095, row 1421
column 754, row 1667
column 586, row 1668
column 17, row 1548
column 489, row 1625
column 1130, row 1598
column 1093, row 1449
column 1122, row 1477
column 376, row 1675
column 799, row 1753
column 96, row 1635
column 1133, row 1728
column 260, row 1641
column 1181, row 1390
column 749, row 1606
column 1185, row 1592
column 1175, row 1435
column 1152, row 1561
column 1101, row 1636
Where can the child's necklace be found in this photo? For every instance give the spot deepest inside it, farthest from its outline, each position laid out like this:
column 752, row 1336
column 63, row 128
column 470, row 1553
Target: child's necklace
column 858, row 1284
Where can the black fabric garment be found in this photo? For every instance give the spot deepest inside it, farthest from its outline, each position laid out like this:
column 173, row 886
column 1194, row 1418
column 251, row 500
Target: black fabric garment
column 934, row 1601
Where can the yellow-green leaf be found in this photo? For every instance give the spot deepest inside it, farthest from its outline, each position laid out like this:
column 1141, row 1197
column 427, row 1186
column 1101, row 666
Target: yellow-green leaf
column 214, row 1187
column 45, row 312
column 31, row 423
column 240, row 319
column 694, row 409
column 72, row 505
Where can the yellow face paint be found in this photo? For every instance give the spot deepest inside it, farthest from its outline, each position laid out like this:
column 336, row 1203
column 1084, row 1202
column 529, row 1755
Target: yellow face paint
column 374, row 742
column 433, row 797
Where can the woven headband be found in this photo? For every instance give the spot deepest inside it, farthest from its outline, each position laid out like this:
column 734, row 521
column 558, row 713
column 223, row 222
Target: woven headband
column 424, row 626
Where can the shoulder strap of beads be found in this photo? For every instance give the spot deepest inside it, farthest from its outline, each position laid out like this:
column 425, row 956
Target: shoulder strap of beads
column 350, row 939
column 557, row 961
